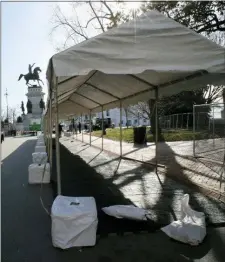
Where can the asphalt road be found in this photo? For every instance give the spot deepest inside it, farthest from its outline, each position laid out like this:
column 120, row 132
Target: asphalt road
column 26, row 229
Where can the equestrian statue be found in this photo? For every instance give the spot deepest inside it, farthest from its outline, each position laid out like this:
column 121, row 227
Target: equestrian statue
column 32, row 75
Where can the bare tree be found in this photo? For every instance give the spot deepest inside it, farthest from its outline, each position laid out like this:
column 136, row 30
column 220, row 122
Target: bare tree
column 100, row 17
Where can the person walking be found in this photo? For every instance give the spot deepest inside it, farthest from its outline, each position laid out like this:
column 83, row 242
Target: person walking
column 60, row 130
column 79, row 127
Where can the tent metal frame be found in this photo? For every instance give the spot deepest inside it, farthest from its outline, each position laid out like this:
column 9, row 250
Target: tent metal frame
column 54, row 103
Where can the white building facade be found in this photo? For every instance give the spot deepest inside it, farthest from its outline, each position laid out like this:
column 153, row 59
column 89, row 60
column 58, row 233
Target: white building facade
column 112, row 116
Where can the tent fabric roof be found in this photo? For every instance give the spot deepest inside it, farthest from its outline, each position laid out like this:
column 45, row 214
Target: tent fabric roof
column 128, row 62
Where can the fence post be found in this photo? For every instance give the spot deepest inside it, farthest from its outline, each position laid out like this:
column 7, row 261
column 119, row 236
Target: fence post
column 187, row 120
column 177, row 122
column 182, row 119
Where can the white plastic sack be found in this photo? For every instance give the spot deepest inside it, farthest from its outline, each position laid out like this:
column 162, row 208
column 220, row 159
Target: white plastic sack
column 126, row 211
column 74, row 222
column 36, row 171
column 40, row 158
column 40, row 149
column 191, row 228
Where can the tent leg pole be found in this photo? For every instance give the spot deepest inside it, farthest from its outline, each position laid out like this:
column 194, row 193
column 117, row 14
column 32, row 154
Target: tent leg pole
column 50, row 131
column 121, row 134
column 75, row 129
column 194, row 130
column 45, row 123
column 102, row 128
column 57, row 140
column 82, row 126
column 90, row 127
column 156, row 127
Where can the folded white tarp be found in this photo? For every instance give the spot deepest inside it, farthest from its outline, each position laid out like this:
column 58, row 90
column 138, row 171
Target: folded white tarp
column 126, row 211
column 130, row 61
column 191, row 228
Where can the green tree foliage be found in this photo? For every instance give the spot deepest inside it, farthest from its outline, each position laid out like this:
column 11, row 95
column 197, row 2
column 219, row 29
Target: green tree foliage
column 205, row 17
column 201, row 16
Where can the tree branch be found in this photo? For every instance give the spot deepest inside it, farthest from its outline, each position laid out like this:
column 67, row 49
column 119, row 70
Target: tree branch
column 96, row 16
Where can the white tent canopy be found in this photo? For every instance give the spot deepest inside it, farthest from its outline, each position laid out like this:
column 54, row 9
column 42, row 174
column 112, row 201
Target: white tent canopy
column 129, row 62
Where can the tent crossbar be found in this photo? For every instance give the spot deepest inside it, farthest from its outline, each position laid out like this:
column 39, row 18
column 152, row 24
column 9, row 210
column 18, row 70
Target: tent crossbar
column 103, row 91
column 71, row 91
column 152, row 88
column 192, row 76
column 142, row 80
column 88, row 98
column 85, row 82
column 78, row 104
column 130, row 96
column 66, row 80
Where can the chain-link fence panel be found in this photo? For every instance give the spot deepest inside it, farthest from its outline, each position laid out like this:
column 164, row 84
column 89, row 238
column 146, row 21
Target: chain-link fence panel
column 176, row 121
column 209, row 131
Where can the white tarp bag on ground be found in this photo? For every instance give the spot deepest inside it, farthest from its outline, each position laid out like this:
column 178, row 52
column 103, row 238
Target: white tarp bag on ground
column 36, row 173
column 126, row 211
column 191, row 228
column 74, row 222
column 40, row 158
column 40, row 149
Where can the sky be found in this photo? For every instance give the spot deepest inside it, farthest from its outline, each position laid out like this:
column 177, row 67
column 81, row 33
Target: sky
column 25, row 33
column 25, row 40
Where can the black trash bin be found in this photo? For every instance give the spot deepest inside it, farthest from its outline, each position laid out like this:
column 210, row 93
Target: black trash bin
column 140, row 135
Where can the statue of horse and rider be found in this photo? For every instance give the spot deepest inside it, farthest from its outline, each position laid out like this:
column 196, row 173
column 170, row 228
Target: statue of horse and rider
column 32, row 75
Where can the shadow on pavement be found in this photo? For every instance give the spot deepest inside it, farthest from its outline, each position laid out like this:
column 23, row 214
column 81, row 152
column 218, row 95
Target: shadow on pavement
column 79, row 179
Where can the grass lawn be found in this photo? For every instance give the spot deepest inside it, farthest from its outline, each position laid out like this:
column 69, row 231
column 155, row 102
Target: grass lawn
column 175, row 135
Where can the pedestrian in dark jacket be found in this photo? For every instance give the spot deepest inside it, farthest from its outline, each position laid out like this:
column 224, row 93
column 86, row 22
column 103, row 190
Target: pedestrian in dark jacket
column 60, row 130
column 79, row 127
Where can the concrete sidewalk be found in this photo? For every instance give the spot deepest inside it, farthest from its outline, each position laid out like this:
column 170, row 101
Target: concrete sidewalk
column 26, row 229
column 143, row 187
column 177, row 158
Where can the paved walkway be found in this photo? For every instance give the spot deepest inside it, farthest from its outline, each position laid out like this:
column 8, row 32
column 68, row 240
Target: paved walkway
column 143, row 187
column 176, row 156
column 26, row 229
